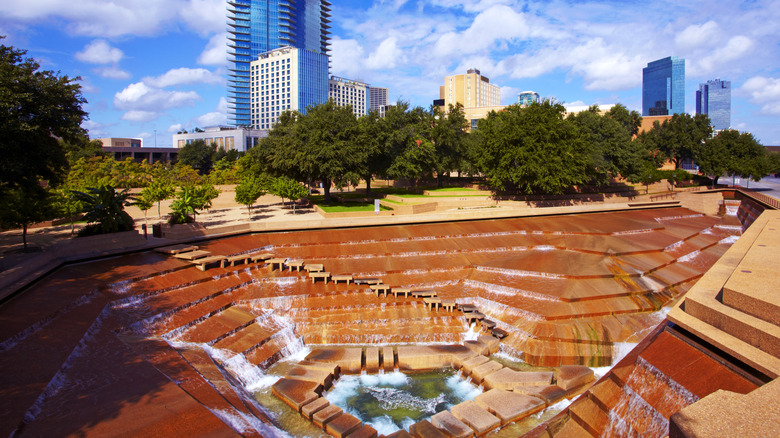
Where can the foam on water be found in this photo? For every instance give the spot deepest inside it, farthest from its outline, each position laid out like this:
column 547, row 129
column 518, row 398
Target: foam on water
column 729, row 240
column 689, row 257
column 462, row 388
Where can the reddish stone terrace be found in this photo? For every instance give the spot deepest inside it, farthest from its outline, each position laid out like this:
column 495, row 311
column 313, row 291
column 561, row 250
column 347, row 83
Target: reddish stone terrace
column 149, row 343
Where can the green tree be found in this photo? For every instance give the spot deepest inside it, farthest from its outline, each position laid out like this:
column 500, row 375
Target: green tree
column 629, row 120
column 23, row 206
column 144, row 203
column 249, row 190
column 749, row 158
column 320, row 145
column 678, row 138
column 288, row 188
column 36, row 108
column 185, row 206
column 369, row 137
column 448, row 133
column 533, row 149
column 159, row 190
column 405, row 135
column 713, row 158
column 205, row 193
column 199, row 155
column 104, row 210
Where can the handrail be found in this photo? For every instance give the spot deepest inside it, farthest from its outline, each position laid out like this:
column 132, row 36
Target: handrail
column 769, row 201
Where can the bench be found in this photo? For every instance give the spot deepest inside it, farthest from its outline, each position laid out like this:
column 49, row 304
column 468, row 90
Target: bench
column 448, row 305
column 262, row 257
column 473, row 316
column 192, row 255
column 344, row 278
column 297, row 264
column 431, row 302
column 201, row 263
column 401, row 290
column 276, row 262
column 499, row 333
column 467, row 307
column 316, row 275
column 236, row 260
column 488, row 324
column 424, row 294
column 315, row 267
column 176, row 249
column 380, row 288
column 366, row 280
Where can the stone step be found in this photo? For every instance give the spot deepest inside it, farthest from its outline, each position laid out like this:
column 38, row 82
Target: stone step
column 250, row 337
column 218, row 326
column 589, row 416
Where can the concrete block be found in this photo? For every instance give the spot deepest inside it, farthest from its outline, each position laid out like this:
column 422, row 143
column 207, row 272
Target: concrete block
column 472, row 363
column 490, row 342
column 509, row 406
column 424, row 429
column 476, row 417
column 343, row 425
column 479, row 373
column 296, row 393
column 447, row 422
column 372, row 360
column 388, row 359
column 349, row 359
column 314, row 407
column 324, row 416
column 573, row 376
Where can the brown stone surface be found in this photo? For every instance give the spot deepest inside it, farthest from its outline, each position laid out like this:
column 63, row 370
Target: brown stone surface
column 588, row 415
column 388, row 359
column 480, row 372
column 571, row 376
column 509, row 406
column 321, row 376
column 399, row 434
column 349, row 359
column 550, row 394
column 343, row 425
column 364, row 431
column 296, row 393
column 572, row 430
column 447, row 422
column 475, row 361
column 478, row 347
column 424, row 429
column 726, row 414
column 322, row 417
column 491, row 343
column 331, row 367
column 509, row 379
column 422, row 358
column 476, row 417
column 372, row 360
column 315, row 406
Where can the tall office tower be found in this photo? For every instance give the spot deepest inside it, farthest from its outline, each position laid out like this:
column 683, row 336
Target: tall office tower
column 527, row 97
column 285, row 79
column 714, row 99
column 348, row 92
column 663, row 87
column 471, row 90
column 377, row 98
column 260, row 26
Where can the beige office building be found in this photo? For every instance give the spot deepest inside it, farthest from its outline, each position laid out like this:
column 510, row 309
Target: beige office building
column 348, row 92
column 471, row 90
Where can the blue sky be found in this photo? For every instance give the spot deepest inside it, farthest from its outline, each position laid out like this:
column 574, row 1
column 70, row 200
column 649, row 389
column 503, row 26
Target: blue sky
column 159, row 65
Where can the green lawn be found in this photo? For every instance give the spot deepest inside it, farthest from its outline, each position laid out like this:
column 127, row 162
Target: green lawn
column 351, row 206
column 452, row 189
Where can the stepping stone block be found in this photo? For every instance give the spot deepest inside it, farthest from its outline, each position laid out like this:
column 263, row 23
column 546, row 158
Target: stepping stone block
column 447, row 422
column 400, row 434
column 348, row 359
column 388, row 359
column 572, row 376
column 490, row 342
column 343, row 425
column 296, row 393
column 331, row 367
column 476, row 417
column 424, row 429
column 548, row 394
column 365, row 431
column 479, row 373
column 314, row 407
column 323, row 377
column 509, row 379
column 372, row 360
column 477, row 347
column 422, row 358
column 324, row 416
column 509, row 406
column 457, row 353
column 472, row 363
column 572, row 430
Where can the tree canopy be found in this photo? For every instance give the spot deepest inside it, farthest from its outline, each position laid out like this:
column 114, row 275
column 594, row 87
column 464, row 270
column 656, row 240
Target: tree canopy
column 36, row 108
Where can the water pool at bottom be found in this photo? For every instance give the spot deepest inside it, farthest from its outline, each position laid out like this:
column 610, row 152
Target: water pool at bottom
column 393, row 401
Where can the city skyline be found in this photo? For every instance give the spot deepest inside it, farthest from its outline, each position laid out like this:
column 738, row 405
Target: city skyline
column 163, row 67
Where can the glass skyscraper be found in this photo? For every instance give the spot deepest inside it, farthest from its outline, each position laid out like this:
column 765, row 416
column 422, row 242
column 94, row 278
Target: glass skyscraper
column 714, row 99
column 259, row 26
column 663, row 87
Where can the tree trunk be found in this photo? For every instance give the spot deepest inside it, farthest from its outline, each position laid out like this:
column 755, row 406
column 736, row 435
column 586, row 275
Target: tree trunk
column 368, row 184
column 158, row 208
column 249, row 208
column 440, row 179
column 326, row 189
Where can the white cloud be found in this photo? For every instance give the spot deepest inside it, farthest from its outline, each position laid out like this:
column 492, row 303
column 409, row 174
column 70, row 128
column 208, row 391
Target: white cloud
column 387, row 55
column 509, row 95
column 470, row 5
column 736, row 48
column 204, row 16
column 218, row 117
column 175, row 128
column 215, row 51
column 183, row 76
column 496, row 24
column 140, row 97
column 100, row 52
column 764, row 92
column 140, row 116
column 697, row 36
column 112, row 73
column 347, row 57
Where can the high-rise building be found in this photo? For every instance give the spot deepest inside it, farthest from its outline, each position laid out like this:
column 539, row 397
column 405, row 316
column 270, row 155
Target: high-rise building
column 527, row 97
column 714, row 99
column 348, row 92
column 663, row 87
column 286, row 79
column 471, row 90
column 377, row 98
column 260, row 26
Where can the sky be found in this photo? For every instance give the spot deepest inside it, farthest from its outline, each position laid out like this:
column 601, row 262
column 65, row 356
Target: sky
column 150, row 68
